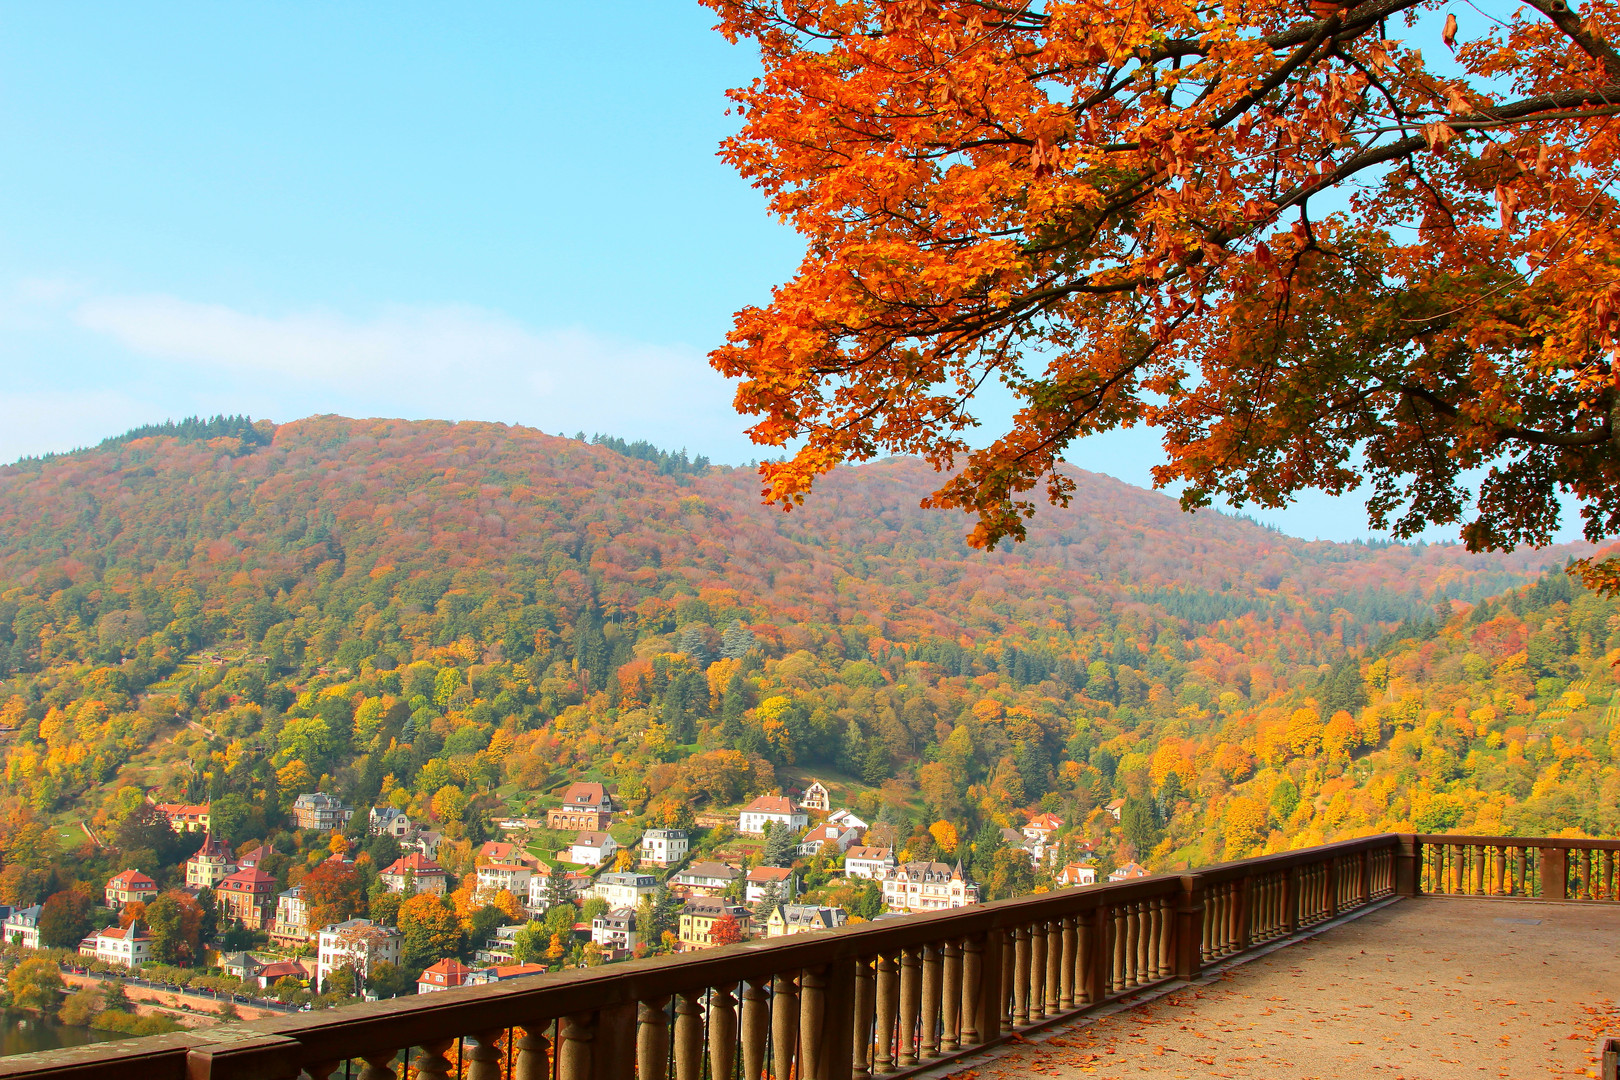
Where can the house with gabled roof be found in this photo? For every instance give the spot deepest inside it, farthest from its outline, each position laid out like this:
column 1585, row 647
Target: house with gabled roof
column 130, row 887
column 775, row 809
column 586, row 807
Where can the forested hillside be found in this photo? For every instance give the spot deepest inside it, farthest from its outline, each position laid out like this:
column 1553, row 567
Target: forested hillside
column 447, row 617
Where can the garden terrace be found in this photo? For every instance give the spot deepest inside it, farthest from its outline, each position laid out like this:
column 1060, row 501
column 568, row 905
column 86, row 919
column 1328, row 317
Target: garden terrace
column 890, row 998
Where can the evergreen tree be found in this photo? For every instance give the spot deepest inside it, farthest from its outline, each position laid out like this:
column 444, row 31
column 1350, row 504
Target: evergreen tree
column 781, row 845
column 1138, row 822
column 736, row 641
column 770, row 899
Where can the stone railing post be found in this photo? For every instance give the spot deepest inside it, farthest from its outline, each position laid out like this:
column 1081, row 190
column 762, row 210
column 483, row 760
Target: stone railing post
column 1189, row 952
column 1409, row 866
column 1554, row 873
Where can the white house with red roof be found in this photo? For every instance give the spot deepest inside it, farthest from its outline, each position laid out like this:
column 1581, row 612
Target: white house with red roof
column 1128, row 871
column 130, row 946
column 1075, row 873
column 761, row 878
column 425, row 875
column 592, row 848
column 443, row 975
column 776, row 809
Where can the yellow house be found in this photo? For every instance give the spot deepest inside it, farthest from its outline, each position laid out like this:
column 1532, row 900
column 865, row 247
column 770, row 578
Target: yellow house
column 699, row 916
column 130, row 887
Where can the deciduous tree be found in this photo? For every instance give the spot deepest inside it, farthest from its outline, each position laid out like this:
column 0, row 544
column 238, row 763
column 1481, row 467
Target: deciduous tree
column 1307, row 255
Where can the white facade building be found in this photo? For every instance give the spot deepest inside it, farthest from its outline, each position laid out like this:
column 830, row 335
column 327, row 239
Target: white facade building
column 593, row 848
column 22, row 927
column 868, row 862
column 927, row 886
column 357, row 943
column 130, row 946
column 624, row 890
column 493, row 877
column 776, row 809
column 664, row 847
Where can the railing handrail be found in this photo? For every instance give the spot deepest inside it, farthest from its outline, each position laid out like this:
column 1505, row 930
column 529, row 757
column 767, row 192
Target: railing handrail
column 1563, row 842
column 1267, row 893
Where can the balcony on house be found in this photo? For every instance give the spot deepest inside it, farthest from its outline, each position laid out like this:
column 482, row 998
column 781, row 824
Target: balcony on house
column 1393, row 955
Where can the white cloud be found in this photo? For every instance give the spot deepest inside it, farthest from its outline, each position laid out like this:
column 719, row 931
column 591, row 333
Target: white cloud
column 453, row 362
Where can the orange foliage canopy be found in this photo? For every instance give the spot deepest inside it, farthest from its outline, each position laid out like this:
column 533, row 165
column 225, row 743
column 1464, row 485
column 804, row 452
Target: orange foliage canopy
column 1275, row 232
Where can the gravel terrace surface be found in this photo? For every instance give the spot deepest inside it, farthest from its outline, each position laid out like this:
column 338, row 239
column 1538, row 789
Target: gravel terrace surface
column 1425, row 989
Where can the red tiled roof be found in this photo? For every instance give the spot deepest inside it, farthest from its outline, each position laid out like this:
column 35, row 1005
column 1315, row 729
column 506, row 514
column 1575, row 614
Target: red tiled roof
column 771, row 804
column 131, row 879
column 416, row 863
column 249, row 880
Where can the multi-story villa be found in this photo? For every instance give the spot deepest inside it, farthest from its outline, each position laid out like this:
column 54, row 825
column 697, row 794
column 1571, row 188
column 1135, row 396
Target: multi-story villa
column 130, row 887
column 664, row 847
column 358, row 943
column 928, row 886
column 320, row 811
column 210, row 865
column 291, row 925
column 776, row 809
column 586, row 807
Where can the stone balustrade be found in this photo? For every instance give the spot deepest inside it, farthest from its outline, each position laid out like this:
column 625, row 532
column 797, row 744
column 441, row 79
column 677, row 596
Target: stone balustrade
column 881, row 999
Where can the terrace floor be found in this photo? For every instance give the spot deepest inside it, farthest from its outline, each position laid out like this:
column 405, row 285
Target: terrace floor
column 1424, row 989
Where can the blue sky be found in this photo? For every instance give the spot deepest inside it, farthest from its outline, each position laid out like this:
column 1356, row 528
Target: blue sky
column 485, row 211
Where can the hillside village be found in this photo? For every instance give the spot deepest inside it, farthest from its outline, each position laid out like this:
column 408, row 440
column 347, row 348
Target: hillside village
column 376, row 914
column 301, row 732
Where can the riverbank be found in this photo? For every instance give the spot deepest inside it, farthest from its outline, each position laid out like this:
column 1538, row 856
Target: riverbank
column 23, row 1033
column 192, row 1010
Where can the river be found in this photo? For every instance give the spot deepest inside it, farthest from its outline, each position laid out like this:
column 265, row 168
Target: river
column 21, row 1033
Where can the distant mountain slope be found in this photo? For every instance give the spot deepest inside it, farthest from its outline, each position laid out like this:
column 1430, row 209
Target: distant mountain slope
column 418, row 496
column 394, row 609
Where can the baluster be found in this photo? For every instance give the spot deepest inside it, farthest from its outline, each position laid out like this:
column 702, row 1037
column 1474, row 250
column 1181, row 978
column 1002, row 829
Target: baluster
column 931, row 992
column 431, row 1062
column 322, row 1070
column 910, row 1003
column 484, row 1055
column 972, row 972
column 1133, row 944
column 652, row 1039
column 1009, row 969
column 1206, row 929
column 1069, row 948
column 1117, row 949
column 1147, row 949
column 784, row 1025
column 888, row 994
column 1037, row 973
column 1020, row 977
column 1608, row 875
column 689, row 1035
column 1085, row 958
column 812, row 1022
column 756, row 1026
column 1054, row 967
column 722, row 1031
column 380, row 1065
column 864, row 993
column 534, row 1054
column 1155, row 939
column 1522, row 887
column 575, row 1035
column 950, row 1020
